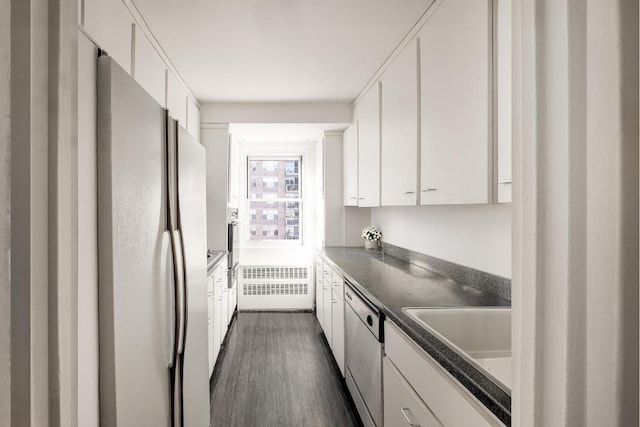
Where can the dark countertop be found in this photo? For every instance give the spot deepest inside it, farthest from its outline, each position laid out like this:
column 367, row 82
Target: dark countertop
column 213, row 259
column 391, row 284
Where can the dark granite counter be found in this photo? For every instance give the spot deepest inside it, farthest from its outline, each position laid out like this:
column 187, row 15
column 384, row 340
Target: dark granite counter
column 391, row 284
column 213, row 259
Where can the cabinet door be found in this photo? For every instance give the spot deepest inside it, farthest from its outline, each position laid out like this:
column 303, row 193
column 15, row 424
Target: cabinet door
column 350, row 165
column 368, row 115
column 319, row 294
column 337, row 328
column 233, row 292
column 504, row 101
column 110, row 24
column 402, row 406
column 234, row 175
column 210, row 320
column 176, row 99
column 217, row 313
column 224, row 324
column 149, row 69
column 399, row 140
column 327, row 309
column 456, row 108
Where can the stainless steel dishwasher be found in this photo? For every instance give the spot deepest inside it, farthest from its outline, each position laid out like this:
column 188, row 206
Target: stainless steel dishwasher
column 364, row 338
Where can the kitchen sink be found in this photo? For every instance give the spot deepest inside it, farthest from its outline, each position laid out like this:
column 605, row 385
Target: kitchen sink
column 481, row 335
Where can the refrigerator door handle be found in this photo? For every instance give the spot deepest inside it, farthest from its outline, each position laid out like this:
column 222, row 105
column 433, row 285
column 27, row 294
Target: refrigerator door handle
column 180, row 290
column 168, row 293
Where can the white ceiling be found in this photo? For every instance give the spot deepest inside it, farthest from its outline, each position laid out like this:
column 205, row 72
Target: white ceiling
column 279, row 50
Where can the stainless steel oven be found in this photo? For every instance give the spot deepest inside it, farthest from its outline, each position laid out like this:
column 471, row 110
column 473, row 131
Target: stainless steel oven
column 364, row 338
column 233, row 246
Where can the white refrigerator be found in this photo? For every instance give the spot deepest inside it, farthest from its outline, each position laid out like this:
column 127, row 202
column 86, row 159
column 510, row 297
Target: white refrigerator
column 152, row 261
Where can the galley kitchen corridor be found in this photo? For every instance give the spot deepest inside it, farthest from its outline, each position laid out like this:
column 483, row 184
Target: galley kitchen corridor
column 277, row 371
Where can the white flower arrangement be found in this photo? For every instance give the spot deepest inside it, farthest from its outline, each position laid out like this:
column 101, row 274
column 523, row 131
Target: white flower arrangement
column 371, row 233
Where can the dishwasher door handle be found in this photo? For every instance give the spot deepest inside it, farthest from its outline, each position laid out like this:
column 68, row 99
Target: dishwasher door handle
column 409, row 417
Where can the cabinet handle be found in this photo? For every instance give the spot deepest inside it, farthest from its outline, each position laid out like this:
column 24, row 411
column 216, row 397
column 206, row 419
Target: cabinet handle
column 353, row 198
column 360, row 198
column 429, row 189
column 409, row 192
column 334, row 301
column 409, row 417
column 505, row 182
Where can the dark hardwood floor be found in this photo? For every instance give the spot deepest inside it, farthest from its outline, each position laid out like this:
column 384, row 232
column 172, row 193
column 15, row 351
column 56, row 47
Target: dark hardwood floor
column 277, row 371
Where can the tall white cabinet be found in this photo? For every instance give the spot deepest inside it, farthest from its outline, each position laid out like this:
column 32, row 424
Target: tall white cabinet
column 215, row 139
column 400, row 122
column 503, row 53
column 367, row 115
column 456, row 112
column 350, row 165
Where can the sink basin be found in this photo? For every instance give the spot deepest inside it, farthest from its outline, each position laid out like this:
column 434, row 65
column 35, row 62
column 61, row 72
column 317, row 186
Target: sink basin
column 482, row 335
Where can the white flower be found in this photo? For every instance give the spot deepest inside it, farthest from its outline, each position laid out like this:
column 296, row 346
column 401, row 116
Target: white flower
column 371, row 233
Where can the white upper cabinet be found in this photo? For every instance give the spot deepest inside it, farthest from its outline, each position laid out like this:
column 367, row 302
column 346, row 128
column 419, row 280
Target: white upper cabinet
column 400, row 117
column 234, row 175
column 110, row 24
column 504, row 101
column 149, row 68
column 193, row 118
column 176, row 99
column 456, row 126
column 350, row 165
column 368, row 116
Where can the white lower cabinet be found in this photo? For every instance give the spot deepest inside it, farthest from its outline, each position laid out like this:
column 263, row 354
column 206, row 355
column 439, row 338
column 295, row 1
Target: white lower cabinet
column 402, row 406
column 217, row 313
column 443, row 396
column 337, row 326
column 224, row 306
column 330, row 309
column 217, row 308
column 327, row 308
column 233, row 300
column 210, row 305
column 319, row 295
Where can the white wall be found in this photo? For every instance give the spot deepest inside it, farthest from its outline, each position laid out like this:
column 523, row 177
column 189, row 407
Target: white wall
column 355, row 219
column 476, row 236
column 575, row 213
column 5, row 214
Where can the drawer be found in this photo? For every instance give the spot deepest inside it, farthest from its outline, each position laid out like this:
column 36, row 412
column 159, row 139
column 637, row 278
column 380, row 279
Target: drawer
column 337, row 283
column 402, row 406
column 326, row 271
column 450, row 401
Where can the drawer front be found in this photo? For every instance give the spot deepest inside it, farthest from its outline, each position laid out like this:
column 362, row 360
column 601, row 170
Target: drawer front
column 337, row 283
column 449, row 401
column 402, row 406
column 326, row 271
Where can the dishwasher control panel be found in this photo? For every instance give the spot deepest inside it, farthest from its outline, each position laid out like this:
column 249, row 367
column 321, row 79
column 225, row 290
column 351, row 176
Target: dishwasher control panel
column 365, row 310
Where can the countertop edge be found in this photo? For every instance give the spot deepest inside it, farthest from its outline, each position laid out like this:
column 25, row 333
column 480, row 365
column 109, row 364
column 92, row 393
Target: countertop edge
column 490, row 395
column 211, row 266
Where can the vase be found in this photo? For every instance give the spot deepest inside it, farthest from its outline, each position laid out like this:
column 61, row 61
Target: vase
column 371, row 244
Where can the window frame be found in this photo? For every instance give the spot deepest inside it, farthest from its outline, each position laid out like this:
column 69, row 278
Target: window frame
column 298, row 156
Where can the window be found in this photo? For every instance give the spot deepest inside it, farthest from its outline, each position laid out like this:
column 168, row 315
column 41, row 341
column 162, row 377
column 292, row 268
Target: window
column 270, row 181
column 275, row 199
column 269, row 165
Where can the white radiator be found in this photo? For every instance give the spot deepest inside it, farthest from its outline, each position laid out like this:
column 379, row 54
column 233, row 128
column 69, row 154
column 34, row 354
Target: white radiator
column 275, row 288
